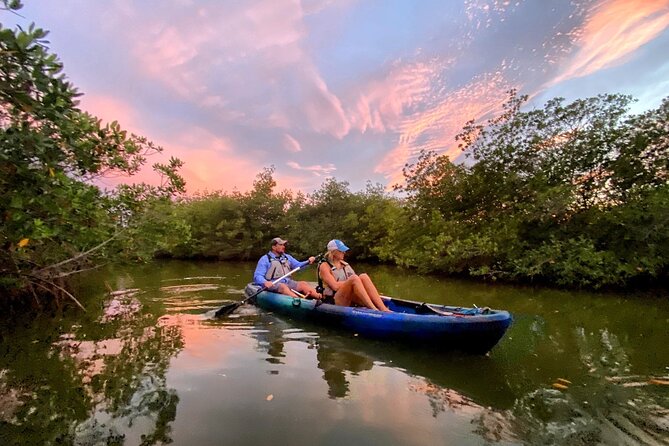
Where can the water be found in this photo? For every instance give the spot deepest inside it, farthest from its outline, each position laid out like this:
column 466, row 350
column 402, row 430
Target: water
column 145, row 365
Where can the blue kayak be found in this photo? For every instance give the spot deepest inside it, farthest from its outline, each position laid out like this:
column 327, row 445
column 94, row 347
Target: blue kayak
column 475, row 330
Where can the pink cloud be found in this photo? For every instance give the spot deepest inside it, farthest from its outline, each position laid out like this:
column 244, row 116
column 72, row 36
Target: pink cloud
column 383, row 103
column 221, row 35
column 323, row 109
column 207, row 169
column 291, row 144
column 614, row 30
column 435, row 127
column 204, row 169
column 262, row 39
column 272, row 23
column 210, row 161
column 317, row 169
column 109, row 109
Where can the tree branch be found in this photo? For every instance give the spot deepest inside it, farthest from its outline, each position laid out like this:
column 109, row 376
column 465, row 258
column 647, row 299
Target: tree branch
column 80, row 255
column 58, row 287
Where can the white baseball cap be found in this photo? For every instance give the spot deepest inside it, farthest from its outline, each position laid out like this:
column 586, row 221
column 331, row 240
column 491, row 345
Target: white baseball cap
column 338, row 245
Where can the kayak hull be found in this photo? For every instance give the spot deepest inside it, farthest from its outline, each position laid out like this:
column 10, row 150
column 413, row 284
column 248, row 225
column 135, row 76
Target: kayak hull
column 435, row 326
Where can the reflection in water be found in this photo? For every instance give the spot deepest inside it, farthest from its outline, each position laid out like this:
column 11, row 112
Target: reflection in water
column 491, row 425
column 622, row 409
column 636, row 411
column 100, row 381
column 124, row 376
column 333, row 361
column 336, row 363
column 477, row 386
column 442, row 399
column 122, row 305
column 342, row 363
column 144, row 366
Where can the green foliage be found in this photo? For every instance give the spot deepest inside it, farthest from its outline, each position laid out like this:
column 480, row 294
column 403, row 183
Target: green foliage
column 240, row 226
column 232, row 226
column 569, row 262
column 571, row 194
column 574, row 194
column 51, row 153
column 330, row 212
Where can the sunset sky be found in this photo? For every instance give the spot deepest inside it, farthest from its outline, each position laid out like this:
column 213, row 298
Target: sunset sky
column 349, row 89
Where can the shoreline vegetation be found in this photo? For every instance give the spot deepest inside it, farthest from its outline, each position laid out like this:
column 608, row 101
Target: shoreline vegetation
column 569, row 195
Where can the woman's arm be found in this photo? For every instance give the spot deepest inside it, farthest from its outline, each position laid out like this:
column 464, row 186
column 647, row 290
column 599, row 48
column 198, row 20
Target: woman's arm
column 328, row 277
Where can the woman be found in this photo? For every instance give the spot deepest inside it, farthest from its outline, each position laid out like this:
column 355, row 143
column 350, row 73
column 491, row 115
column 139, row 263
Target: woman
column 341, row 285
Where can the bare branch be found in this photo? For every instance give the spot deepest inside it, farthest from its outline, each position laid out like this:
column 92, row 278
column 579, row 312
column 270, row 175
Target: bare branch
column 79, row 256
column 57, row 287
column 61, row 275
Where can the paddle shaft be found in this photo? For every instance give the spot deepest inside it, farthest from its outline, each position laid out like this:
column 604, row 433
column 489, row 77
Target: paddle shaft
column 273, row 283
column 226, row 309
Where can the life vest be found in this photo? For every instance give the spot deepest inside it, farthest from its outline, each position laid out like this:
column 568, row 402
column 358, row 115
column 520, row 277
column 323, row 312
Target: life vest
column 278, row 266
column 340, row 275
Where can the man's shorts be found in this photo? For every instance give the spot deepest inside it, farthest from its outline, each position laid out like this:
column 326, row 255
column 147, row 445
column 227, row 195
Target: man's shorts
column 290, row 282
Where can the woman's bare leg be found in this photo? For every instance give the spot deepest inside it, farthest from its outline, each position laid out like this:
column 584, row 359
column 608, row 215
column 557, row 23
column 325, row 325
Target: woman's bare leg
column 361, row 293
column 353, row 291
column 373, row 292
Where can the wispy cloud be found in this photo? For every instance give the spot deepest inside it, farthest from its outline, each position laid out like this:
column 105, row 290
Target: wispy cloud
column 434, row 126
column 384, row 103
column 230, row 86
column 291, row 144
column 317, row 169
column 613, row 32
column 207, row 54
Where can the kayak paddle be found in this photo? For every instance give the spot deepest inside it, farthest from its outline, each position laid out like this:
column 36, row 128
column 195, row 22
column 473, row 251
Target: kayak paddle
column 227, row 309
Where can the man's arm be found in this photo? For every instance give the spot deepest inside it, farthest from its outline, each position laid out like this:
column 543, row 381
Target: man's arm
column 261, row 270
column 294, row 263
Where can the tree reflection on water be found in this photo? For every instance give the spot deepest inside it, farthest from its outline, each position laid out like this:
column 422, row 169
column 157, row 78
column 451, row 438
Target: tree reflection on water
column 95, row 383
column 343, row 359
column 336, row 363
column 102, row 377
column 608, row 405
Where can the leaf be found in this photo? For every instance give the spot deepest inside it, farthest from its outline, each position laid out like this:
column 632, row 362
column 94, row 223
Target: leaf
column 23, row 242
column 17, row 202
column 23, row 40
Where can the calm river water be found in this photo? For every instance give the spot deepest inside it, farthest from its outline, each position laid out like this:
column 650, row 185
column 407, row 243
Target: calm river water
column 147, row 365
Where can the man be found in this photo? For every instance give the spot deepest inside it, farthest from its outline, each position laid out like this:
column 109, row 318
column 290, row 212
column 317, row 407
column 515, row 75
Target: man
column 277, row 263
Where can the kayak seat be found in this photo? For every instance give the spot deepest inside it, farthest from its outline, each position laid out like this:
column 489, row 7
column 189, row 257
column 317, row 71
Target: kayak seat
column 423, row 309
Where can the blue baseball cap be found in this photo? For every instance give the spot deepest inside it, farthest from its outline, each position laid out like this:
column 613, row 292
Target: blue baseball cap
column 338, row 245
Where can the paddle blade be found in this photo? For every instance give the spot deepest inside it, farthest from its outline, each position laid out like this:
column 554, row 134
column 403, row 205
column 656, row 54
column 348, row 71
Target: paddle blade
column 227, row 309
